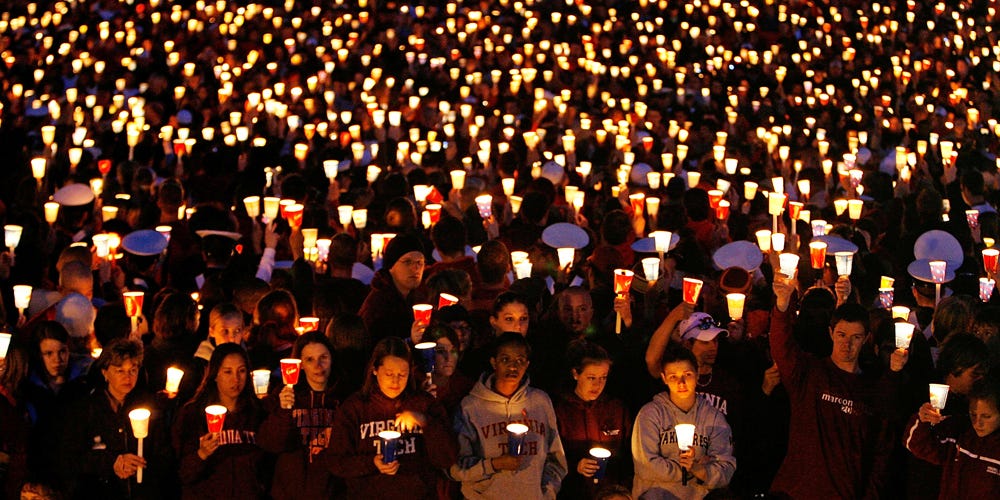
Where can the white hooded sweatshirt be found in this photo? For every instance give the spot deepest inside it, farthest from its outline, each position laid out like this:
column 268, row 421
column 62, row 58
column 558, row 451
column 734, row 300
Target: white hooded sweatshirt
column 658, row 473
column 482, row 434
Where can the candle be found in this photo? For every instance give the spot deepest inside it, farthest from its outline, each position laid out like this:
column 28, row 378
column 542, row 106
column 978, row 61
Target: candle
column 764, row 240
column 972, row 217
column 4, row 344
column 426, row 351
column 886, row 282
column 22, row 297
column 12, row 236
column 623, row 282
column 900, row 312
column 778, row 242
column 601, row 456
column 651, row 268
column 252, row 204
column 885, row 297
column 735, row 302
column 844, row 262
column 939, row 395
column 817, row 254
column 422, row 313
column 566, row 256
column 691, row 290
column 788, row 263
column 139, row 419
column 215, row 417
column 904, row 334
column 271, row 206
column 457, row 179
column 389, row 441
column 685, row 436
column 360, row 217
column 484, row 203
column 818, row 227
column 516, row 434
column 174, row 376
column 986, row 286
column 991, row 257
column 261, row 378
column 693, row 179
column 290, row 369
column 51, row 212
column 938, row 271
column 446, row 299
column 522, row 270
column 133, row 303
column 854, row 209
column 310, row 323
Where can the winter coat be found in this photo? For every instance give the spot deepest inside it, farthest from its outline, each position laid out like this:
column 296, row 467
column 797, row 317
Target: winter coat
column 482, row 435
column 658, row 473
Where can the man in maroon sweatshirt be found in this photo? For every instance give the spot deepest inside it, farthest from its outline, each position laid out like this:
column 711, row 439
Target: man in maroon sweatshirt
column 838, row 437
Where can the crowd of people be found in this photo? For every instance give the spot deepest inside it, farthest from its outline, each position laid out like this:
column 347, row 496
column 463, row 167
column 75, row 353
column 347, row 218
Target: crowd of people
column 594, row 249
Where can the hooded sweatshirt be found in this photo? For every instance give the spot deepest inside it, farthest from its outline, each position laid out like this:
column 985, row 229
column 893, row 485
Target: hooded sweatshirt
column 296, row 436
column 658, row 472
column 354, row 442
column 482, row 435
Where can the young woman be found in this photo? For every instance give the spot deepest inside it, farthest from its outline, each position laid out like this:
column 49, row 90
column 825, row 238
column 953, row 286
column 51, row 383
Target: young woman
column 967, row 447
column 53, row 381
column 388, row 401
column 450, row 385
column 587, row 419
column 662, row 470
column 297, row 427
column 485, row 467
column 99, row 450
column 222, row 464
column 510, row 314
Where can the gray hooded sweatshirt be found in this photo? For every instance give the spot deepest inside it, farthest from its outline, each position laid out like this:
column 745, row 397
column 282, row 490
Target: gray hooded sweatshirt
column 654, row 449
column 481, row 427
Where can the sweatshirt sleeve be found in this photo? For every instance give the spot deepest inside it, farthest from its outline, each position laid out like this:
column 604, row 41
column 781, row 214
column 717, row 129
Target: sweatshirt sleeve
column 785, row 352
column 277, row 432
column 920, row 439
column 722, row 464
column 345, row 457
column 187, row 441
column 555, row 463
column 266, row 265
column 646, row 448
column 437, row 438
column 472, row 464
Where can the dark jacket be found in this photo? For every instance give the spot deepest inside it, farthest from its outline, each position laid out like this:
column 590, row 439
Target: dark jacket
column 233, row 471
column 355, row 442
column 583, row 425
column 95, row 435
column 296, row 435
column 385, row 311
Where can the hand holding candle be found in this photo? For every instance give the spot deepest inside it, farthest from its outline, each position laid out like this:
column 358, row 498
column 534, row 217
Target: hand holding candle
column 140, row 429
column 685, row 440
column 623, row 283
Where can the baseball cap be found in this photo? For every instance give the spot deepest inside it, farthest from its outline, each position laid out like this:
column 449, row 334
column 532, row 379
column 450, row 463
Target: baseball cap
column 700, row 326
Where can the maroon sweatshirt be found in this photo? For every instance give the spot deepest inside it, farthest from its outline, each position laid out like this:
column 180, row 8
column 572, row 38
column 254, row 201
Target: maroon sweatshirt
column 233, row 470
column 971, row 463
column 421, row 452
column 583, row 425
column 296, row 436
column 838, row 440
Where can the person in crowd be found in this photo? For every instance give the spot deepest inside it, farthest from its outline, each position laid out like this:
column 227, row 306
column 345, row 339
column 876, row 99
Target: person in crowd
column 588, row 418
column 228, row 463
column 662, row 468
column 99, row 452
column 838, row 425
column 172, row 344
column 15, row 431
column 225, row 325
column 298, row 424
column 275, row 317
column 451, row 385
column 389, row 402
column 52, row 382
column 387, row 309
column 510, row 314
column 966, row 446
column 486, row 467
column 351, row 350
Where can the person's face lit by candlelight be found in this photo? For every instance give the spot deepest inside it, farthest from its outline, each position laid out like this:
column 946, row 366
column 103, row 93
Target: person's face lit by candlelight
column 512, row 317
column 445, row 357
column 392, row 376
column 848, row 337
column 985, row 416
column 591, row 380
column 680, row 378
column 232, row 377
column 121, row 378
column 316, row 363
